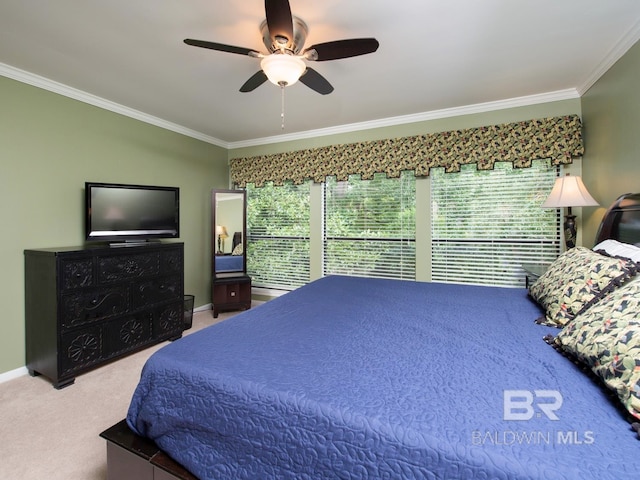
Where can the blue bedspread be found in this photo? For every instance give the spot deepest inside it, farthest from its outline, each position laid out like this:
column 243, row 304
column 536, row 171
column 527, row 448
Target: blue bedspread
column 358, row 378
column 229, row 263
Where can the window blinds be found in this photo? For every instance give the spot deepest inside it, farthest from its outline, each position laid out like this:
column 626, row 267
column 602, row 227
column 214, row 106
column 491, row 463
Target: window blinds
column 485, row 224
column 369, row 227
column 278, row 235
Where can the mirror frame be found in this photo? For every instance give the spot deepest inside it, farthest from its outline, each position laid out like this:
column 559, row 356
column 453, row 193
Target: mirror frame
column 216, row 194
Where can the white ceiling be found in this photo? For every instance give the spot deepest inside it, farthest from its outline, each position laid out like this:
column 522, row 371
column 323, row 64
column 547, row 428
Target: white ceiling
column 435, row 57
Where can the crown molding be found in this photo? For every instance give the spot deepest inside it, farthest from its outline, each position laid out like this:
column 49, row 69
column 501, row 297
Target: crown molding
column 627, row 41
column 61, row 89
column 570, row 93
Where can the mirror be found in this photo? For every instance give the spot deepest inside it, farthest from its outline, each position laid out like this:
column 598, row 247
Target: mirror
column 228, row 232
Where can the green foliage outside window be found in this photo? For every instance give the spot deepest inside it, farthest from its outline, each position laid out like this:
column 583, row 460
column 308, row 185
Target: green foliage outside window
column 370, row 226
column 484, row 225
column 278, row 235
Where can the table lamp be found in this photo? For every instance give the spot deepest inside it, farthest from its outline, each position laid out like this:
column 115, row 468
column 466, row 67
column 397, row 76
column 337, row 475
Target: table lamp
column 221, row 230
column 569, row 191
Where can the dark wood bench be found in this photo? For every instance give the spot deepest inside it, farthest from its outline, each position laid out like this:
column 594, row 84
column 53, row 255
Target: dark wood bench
column 131, row 457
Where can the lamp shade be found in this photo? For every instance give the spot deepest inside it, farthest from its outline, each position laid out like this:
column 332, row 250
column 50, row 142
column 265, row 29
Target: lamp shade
column 283, row 69
column 569, row 191
column 221, row 231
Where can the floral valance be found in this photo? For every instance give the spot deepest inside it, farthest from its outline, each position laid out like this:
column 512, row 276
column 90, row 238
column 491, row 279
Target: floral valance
column 557, row 138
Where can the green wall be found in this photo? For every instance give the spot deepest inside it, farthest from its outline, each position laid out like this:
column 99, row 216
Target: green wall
column 611, row 117
column 49, row 146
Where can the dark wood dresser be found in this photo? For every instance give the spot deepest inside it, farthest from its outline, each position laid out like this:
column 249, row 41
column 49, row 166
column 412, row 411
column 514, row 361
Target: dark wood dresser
column 85, row 306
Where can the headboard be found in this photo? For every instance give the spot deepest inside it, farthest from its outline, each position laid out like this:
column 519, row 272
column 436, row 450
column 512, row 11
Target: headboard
column 621, row 221
column 237, row 239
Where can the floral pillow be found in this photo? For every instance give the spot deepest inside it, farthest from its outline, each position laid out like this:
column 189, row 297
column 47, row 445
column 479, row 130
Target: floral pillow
column 576, row 280
column 237, row 250
column 606, row 337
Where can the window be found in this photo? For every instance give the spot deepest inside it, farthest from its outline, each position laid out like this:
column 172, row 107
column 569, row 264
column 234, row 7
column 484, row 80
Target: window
column 278, row 235
column 485, row 224
column 370, row 227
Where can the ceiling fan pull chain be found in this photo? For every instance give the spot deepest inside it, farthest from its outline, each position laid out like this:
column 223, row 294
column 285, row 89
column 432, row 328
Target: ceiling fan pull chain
column 282, row 112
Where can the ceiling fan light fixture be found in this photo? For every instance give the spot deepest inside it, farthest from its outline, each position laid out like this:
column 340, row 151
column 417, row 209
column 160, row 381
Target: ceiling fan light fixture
column 283, row 69
column 284, row 36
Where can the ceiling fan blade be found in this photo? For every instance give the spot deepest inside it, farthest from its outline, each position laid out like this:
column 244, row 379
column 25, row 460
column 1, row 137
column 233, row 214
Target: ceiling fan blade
column 315, row 81
column 279, row 21
column 254, row 82
column 341, row 49
column 222, row 47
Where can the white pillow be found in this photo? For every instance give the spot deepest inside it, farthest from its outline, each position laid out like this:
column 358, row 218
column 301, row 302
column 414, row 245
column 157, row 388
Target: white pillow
column 619, row 249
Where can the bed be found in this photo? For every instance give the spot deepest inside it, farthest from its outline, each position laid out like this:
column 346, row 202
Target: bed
column 229, row 263
column 382, row 379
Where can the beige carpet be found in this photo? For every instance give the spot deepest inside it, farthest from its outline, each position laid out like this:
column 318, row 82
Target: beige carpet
column 54, row 434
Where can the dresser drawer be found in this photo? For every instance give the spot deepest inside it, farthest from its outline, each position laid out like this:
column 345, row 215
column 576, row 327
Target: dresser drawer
column 80, row 349
column 156, row 290
column 171, row 261
column 227, row 293
column 76, row 273
column 120, row 268
column 91, row 305
column 127, row 333
column 168, row 319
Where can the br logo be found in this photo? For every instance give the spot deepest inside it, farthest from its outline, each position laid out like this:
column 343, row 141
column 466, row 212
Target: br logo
column 525, row 404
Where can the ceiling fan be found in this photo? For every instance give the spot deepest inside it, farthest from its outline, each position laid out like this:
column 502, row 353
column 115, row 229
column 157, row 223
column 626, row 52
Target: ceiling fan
column 284, row 36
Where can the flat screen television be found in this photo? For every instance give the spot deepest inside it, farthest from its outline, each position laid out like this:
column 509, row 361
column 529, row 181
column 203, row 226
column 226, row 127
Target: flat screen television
column 131, row 213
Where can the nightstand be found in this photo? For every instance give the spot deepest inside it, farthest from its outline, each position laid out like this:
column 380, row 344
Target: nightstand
column 533, row 271
column 231, row 292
